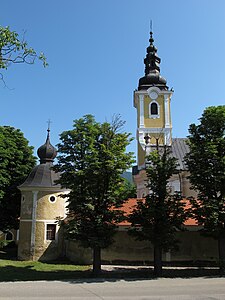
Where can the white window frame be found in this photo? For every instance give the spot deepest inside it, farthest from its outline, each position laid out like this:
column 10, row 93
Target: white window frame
column 56, row 231
column 54, row 200
column 157, row 116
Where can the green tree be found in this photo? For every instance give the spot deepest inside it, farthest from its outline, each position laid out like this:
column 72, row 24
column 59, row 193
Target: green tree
column 91, row 160
column 14, row 50
column 16, row 162
column 129, row 189
column 206, row 163
column 160, row 214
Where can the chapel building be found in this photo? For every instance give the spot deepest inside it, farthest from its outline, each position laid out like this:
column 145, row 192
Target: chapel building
column 41, row 206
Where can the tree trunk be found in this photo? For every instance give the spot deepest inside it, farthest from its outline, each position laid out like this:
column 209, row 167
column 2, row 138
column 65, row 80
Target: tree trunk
column 96, row 260
column 157, row 261
column 221, row 250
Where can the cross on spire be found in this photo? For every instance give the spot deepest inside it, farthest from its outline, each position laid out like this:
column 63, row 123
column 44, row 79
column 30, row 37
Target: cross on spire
column 48, row 130
column 150, row 25
column 49, row 123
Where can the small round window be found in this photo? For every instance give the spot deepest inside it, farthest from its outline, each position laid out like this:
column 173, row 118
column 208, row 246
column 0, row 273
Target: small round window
column 52, row 198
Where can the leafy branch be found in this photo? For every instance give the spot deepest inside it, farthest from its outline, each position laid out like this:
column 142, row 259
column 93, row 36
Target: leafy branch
column 14, row 50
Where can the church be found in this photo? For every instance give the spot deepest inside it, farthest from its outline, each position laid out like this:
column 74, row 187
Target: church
column 154, row 125
column 40, row 236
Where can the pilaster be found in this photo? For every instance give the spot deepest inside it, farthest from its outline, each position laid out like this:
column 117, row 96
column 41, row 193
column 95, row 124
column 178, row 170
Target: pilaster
column 141, row 103
column 33, row 224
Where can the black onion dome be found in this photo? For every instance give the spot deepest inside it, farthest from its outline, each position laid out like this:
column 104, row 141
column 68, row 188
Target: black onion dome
column 47, row 152
column 152, row 69
column 43, row 176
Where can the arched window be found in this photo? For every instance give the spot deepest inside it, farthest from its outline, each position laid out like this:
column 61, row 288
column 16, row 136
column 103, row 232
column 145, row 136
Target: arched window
column 154, row 109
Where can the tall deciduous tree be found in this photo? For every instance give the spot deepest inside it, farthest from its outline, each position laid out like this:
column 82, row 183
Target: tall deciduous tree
column 14, row 50
column 206, row 163
column 160, row 214
column 16, row 162
column 91, row 160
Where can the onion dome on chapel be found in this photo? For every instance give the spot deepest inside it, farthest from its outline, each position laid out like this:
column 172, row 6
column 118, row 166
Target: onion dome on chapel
column 42, row 176
column 152, row 70
column 47, row 152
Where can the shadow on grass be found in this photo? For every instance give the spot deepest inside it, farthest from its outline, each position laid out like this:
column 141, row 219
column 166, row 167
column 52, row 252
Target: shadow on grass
column 14, row 273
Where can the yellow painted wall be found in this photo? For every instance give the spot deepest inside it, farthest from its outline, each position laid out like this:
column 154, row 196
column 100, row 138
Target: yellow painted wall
column 125, row 249
column 158, row 122
column 26, row 205
column 24, row 249
column 47, row 210
column 46, row 250
column 150, row 122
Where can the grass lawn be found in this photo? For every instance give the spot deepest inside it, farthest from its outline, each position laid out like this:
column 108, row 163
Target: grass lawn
column 12, row 270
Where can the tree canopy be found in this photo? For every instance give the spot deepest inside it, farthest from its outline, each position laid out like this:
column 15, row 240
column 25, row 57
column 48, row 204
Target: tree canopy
column 206, row 163
column 16, row 162
column 158, row 216
column 14, row 50
column 92, row 158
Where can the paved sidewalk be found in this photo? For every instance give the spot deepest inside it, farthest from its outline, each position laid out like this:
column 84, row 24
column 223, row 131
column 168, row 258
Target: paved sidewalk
column 155, row 289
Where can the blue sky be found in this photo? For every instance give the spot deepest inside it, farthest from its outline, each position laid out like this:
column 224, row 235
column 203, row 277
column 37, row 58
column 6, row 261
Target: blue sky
column 95, row 50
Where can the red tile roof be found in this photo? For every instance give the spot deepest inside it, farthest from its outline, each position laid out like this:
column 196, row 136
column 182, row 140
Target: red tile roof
column 131, row 202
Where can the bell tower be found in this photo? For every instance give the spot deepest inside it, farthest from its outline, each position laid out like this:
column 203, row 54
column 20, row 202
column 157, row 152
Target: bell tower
column 152, row 102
